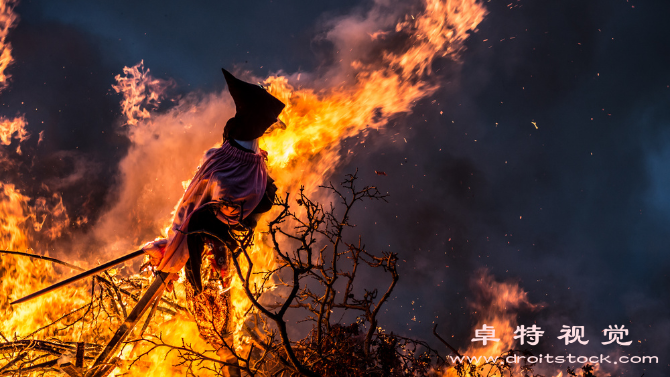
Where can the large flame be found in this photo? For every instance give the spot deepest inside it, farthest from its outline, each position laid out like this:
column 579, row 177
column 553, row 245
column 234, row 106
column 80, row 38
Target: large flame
column 20, row 275
column 363, row 94
column 360, row 92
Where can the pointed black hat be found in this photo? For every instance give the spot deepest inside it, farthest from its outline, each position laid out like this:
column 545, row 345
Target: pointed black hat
column 256, row 109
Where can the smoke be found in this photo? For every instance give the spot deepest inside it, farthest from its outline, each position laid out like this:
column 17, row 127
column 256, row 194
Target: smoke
column 163, row 156
column 120, row 178
column 323, row 109
column 571, row 210
column 565, row 209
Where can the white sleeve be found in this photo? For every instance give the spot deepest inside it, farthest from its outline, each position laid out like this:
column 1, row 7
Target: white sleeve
column 251, row 145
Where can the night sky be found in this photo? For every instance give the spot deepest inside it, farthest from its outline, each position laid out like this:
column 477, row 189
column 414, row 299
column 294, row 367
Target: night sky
column 544, row 159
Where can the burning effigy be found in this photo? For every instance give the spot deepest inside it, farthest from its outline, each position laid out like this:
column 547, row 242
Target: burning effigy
column 459, row 188
column 224, row 313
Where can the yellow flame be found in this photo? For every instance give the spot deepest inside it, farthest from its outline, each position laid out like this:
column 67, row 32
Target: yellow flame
column 362, row 94
column 21, row 276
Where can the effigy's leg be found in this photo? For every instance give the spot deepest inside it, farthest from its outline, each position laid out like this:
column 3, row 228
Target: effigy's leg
column 207, row 235
column 207, row 284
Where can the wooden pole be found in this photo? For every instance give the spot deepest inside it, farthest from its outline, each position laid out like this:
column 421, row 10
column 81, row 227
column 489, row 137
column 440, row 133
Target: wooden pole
column 105, row 362
column 83, row 275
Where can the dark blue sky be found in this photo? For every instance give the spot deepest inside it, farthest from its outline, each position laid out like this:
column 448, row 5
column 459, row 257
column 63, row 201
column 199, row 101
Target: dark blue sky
column 187, row 42
column 577, row 211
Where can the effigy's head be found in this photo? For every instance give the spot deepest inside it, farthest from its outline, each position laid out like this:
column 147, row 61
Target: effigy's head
column 256, row 110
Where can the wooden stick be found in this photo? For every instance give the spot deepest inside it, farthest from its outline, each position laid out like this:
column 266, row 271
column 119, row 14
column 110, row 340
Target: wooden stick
column 101, row 366
column 36, row 256
column 14, row 361
column 81, row 276
column 48, row 364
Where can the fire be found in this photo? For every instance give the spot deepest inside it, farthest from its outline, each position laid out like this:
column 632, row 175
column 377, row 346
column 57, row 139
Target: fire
column 496, row 305
column 21, row 276
column 8, row 19
column 19, row 221
column 363, row 94
column 370, row 93
column 13, row 205
column 141, row 91
column 360, row 92
column 15, row 128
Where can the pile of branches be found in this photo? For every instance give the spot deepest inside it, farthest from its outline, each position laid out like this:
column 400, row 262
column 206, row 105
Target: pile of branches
column 315, row 282
column 50, row 349
column 320, row 274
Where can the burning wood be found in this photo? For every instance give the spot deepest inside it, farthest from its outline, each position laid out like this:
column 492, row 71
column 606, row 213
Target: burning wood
column 322, row 248
column 98, row 314
column 42, row 257
column 81, row 276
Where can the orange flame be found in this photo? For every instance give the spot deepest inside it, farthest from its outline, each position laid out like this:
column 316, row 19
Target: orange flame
column 360, row 94
column 318, row 120
column 496, row 306
column 8, row 19
column 15, row 128
column 21, row 276
column 18, row 220
column 140, row 90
